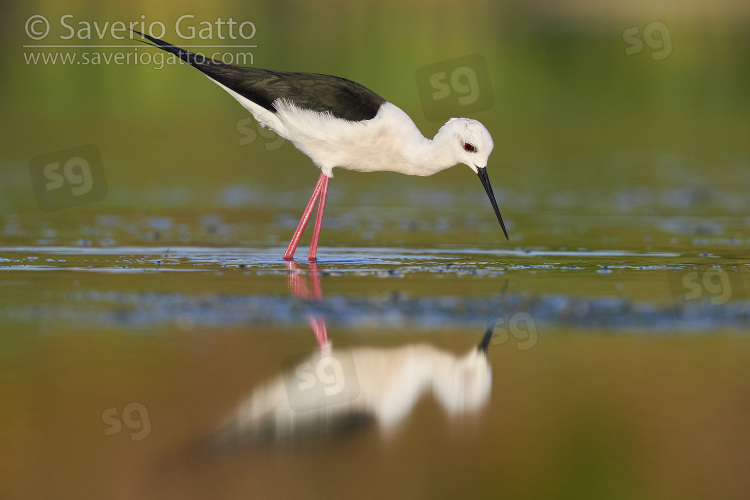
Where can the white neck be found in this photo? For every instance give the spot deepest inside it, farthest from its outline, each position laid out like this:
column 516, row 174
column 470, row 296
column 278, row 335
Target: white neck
column 430, row 156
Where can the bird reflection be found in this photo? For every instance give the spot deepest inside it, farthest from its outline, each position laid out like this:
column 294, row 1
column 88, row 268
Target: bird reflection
column 336, row 390
column 333, row 391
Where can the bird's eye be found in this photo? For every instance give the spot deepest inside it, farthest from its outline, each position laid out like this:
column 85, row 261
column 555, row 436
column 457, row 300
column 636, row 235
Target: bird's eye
column 469, row 147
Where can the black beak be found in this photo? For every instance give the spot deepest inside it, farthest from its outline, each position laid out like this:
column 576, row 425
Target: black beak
column 485, row 343
column 482, row 172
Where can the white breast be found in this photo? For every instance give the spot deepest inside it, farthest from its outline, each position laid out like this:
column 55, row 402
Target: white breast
column 390, row 142
column 382, row 144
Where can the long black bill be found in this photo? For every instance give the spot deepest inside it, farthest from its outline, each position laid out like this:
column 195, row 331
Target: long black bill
column 484, row 345
column 482, row 172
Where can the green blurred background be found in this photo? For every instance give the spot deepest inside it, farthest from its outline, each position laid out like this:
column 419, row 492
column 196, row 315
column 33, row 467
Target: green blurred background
column 617, row 126
column 580, row 125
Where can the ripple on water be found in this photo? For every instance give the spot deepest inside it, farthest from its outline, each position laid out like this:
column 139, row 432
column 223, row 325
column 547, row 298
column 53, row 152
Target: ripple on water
column 446, row 308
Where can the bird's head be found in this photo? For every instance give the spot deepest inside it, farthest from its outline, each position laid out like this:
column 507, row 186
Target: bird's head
column 466, row 386
column 471, row 144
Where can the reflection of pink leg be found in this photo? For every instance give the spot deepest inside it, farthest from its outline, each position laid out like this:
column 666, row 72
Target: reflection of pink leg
column 298, row 286
column 318, row 219
column 318, row 324
column 317, row 290
column 289, row 254
column 296, row 281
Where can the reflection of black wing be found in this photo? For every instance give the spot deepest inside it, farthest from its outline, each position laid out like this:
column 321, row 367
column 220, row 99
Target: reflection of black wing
column 341, row 97
column 315, row 428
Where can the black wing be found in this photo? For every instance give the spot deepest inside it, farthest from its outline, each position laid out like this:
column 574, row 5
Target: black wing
column 341, row 97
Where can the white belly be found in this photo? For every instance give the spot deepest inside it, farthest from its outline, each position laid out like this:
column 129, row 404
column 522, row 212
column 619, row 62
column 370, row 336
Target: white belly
column 390, row 142
column 377, row 145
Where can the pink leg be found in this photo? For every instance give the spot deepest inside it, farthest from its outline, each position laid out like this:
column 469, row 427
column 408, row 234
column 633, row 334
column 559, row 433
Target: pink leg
column 318, row 220
column 289, row 254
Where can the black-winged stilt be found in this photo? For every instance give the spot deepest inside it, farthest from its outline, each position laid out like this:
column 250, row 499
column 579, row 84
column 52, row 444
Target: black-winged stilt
column 339, row 123
column 357, row 386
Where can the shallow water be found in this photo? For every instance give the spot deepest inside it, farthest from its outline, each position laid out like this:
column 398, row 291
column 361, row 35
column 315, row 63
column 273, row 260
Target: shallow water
column 154, row 345
column 422, row 289
column 155, row 371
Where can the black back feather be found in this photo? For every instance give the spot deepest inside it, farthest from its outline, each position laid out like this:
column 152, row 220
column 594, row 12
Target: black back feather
column 341, row 97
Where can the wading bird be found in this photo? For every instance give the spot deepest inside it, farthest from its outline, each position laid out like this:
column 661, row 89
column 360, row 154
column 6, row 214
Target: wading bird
column 339, row 123
column 334, row 391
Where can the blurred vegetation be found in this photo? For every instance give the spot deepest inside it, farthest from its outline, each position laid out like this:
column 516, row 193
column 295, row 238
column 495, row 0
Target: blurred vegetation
column 587, row 139
column 572, row 111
